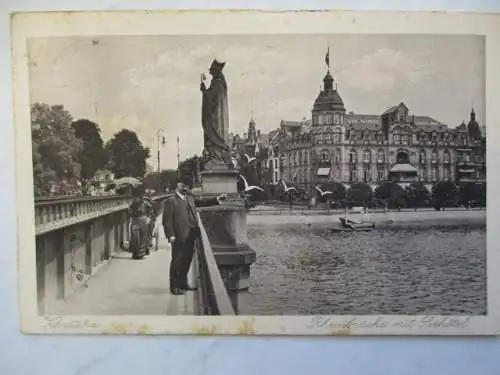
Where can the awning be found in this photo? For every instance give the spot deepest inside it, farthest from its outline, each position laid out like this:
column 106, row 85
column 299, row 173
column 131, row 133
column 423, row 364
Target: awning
column 466, row 170
column 323, row 172
column 404, row 168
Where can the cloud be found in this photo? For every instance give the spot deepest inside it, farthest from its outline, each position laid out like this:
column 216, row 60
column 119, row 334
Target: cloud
column 386, row 69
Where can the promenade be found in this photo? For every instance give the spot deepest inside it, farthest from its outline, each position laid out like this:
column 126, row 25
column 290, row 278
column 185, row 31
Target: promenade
column 130, row 287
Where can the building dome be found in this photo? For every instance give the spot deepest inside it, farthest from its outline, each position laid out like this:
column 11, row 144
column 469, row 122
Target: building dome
column 328, row 98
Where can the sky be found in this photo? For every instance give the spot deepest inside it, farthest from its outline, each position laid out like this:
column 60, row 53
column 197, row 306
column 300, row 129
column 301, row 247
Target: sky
column 147, row 83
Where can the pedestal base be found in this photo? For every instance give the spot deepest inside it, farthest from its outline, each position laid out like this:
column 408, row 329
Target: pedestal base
column 226, row 227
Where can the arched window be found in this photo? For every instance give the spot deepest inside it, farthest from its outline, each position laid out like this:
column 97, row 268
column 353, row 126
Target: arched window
column 367, row 156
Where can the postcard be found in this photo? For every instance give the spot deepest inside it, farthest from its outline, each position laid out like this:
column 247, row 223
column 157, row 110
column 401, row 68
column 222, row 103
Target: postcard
column 257, row 173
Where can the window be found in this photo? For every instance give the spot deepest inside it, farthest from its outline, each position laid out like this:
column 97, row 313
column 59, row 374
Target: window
column 380, row 156
column 422, row 157
column 434, row 157
column 353, row 158
column 405, row 139
column 366, row 173
column 446, row 174
column 337, row 137
column 353, row 175
column 435, row 176
column 397, row 139
column 324, row 156
column 367, row 156
column 337, row 156
column 423, row 174
column 380, row 173
column 446, row 157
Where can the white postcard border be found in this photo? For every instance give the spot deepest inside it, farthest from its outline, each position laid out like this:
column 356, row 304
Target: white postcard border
column 53, row 24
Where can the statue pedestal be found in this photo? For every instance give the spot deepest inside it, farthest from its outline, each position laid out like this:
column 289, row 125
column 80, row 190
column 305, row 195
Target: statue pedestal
column 226, row 227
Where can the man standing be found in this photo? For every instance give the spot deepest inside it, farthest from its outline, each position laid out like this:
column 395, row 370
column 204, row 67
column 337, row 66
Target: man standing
column 180, row 223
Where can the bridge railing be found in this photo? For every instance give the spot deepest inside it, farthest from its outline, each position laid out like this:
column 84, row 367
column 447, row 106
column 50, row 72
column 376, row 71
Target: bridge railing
column 212, row 296
column 75, row 236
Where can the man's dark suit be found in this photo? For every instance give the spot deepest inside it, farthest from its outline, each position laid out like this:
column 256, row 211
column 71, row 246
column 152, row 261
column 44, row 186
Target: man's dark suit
column 180, row 221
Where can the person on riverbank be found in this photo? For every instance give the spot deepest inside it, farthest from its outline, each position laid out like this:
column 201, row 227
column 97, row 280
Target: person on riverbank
column 152, row 214
column 139, row 224
column 180, row 224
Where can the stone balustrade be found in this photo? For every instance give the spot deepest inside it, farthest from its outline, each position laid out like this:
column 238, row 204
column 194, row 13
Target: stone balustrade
column 76, row 237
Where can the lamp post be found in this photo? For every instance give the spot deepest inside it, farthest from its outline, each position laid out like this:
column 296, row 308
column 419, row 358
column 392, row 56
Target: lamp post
column 159, row 134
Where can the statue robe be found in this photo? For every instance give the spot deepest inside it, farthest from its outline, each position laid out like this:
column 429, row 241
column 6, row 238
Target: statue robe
column 215, row 120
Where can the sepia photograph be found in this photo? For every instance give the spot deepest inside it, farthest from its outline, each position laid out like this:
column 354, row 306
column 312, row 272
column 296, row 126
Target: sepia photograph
column 335, row 177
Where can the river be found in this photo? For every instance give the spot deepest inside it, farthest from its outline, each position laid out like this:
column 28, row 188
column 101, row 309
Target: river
column 304, row 270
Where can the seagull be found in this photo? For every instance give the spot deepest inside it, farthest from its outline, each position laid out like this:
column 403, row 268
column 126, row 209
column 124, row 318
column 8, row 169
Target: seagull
column 235, row 163
column 249, row 188
column 323, row 193
column 287, row 189
column 250, row 159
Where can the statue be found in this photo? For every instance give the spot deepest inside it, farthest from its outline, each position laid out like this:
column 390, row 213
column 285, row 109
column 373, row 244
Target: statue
column 215, row 116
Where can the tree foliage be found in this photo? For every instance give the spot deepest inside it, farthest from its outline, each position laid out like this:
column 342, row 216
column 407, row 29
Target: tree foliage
column 127, row 155
column 168, row 180
column 360, row 194
column 470, row 192
column 55, row 149
column 417, row 195
column 92, row 155
column 338, row 190
column 443, row 192
column 189, row 169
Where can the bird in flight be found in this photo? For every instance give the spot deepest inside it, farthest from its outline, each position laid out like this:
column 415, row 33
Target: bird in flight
column 287, row 189
column 250, row 188
column 95, row 42
column 323, row 193
column 250, row 159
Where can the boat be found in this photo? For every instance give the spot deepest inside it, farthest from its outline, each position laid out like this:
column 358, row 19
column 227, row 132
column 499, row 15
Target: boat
column 353, row 225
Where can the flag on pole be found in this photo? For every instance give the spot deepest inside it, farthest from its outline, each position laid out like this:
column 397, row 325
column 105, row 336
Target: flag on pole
column 327, row 58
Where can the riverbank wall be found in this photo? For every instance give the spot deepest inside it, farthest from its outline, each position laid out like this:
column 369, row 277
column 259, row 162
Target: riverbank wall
column 393, row 219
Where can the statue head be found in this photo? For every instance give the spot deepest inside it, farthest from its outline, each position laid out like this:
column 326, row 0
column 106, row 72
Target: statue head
column 216, row 67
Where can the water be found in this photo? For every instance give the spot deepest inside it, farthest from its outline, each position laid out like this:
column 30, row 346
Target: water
column 304, row 270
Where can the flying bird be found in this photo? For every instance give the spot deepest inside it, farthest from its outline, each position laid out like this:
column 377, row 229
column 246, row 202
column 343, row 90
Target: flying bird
column 235, row 163
column 95, row 42
column 287, row 189
column 323, row 193
column 250, row 188
column 250, row 159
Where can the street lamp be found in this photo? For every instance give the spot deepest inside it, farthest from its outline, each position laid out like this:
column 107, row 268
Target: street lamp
column 159, row 137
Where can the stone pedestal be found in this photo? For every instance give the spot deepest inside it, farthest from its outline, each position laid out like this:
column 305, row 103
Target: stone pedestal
column 226, row 227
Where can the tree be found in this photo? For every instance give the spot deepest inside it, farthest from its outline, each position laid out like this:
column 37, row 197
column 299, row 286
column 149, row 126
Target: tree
column 417, row 195
column 127, row 156
column 444, row 192
column 189, row 169
column 55, row 149
column 92, row 155
column 360, row 194
column 168, row 178
column 470, row 192
column 338, row 190
column 392, row 193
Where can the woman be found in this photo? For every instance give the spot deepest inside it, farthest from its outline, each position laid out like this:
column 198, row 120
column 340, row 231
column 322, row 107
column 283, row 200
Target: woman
column 139, row 225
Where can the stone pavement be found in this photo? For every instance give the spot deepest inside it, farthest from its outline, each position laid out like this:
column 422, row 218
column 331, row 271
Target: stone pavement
column 131, row 287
